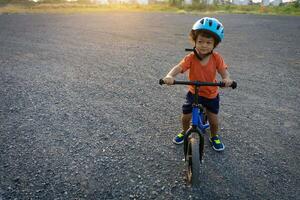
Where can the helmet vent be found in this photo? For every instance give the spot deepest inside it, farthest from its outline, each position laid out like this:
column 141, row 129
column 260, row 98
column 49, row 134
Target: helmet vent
column 218, row 27
column 210, row 22
column 202, row 21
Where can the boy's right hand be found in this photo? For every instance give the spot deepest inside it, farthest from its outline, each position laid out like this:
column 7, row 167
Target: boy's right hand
column 169, row 80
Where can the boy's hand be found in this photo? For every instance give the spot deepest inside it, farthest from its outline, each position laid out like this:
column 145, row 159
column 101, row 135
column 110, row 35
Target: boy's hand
column 227, row 82
column 169, row 80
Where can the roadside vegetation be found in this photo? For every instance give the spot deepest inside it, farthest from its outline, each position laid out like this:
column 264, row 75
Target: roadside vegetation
column 60, row 6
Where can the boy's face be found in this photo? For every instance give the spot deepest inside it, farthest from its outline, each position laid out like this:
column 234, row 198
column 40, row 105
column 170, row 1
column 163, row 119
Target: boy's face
column 204, row 45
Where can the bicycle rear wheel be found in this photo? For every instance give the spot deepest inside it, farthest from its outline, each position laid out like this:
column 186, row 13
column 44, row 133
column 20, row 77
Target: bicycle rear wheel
column 193, row 160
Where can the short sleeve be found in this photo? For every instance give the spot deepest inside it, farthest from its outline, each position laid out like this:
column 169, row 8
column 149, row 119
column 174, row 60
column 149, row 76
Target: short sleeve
column 221, row 65
column 186, row 62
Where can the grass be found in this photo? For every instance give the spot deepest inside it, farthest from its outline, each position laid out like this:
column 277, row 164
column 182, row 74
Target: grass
column 81, row 8
column 290, row 9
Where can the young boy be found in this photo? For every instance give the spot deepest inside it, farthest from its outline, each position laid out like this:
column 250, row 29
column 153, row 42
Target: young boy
column 203, row 65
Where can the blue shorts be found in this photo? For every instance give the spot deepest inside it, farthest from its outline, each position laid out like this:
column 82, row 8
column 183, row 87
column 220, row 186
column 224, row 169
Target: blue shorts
column 210, row 104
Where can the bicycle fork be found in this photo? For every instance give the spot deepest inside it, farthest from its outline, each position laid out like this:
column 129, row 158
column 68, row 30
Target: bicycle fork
column 194, row 129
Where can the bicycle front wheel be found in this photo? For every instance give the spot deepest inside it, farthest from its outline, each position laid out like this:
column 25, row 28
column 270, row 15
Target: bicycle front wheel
column 193, row 160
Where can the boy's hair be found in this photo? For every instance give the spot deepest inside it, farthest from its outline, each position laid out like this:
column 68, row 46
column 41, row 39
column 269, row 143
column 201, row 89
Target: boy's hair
column 194, row 34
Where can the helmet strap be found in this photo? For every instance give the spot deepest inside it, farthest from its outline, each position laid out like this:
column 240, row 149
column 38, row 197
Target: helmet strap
column 199, row 55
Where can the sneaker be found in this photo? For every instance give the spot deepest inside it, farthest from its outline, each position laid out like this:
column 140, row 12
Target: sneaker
column 216, row 143
column 178, row 139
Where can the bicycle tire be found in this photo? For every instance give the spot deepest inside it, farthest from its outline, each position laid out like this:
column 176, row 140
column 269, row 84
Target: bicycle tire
column 193, row 160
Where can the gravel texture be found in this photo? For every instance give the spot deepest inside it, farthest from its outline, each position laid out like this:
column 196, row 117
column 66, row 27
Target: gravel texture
column 83, row 117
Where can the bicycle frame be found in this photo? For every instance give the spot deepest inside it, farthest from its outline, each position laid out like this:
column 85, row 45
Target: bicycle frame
column 198, row 125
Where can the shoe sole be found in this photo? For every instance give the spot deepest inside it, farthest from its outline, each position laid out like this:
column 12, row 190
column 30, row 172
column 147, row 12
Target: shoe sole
column 219, row 149
column 177, row 142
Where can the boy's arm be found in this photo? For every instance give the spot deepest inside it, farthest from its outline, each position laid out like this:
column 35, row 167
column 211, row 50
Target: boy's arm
column 169, row 79
column 225, row 77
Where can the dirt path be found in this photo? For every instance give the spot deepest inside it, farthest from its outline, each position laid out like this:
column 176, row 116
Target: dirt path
column 83, row 117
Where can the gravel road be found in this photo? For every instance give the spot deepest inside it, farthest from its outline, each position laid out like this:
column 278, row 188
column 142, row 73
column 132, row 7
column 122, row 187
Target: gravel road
column 83, row 117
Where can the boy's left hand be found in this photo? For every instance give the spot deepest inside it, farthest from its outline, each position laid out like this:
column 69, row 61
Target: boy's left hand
column 227, row 82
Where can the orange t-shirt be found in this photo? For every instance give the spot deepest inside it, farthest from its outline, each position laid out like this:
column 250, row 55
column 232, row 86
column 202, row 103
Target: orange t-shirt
column 203, row 73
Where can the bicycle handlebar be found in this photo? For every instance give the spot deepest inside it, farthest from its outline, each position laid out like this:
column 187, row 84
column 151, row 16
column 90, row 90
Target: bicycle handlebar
column 197, row 83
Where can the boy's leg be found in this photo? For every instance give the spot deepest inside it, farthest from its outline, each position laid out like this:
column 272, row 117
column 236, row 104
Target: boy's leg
column 186, row 121
column 214, row 126
column 213, row 123
column 185, row 118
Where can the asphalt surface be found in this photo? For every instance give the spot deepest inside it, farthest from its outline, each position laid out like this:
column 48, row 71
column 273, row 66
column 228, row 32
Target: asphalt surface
column 83, row 117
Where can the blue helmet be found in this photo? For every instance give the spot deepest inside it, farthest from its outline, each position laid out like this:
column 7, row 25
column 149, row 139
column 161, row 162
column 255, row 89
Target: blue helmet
column 211, row 25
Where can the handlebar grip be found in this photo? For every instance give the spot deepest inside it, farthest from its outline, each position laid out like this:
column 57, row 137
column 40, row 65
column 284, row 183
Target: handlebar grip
column 233, row 85
column 189, row 49
column 161, row 82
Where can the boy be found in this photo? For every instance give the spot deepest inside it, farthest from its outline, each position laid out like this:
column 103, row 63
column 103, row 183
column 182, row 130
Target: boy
column 203, row 65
